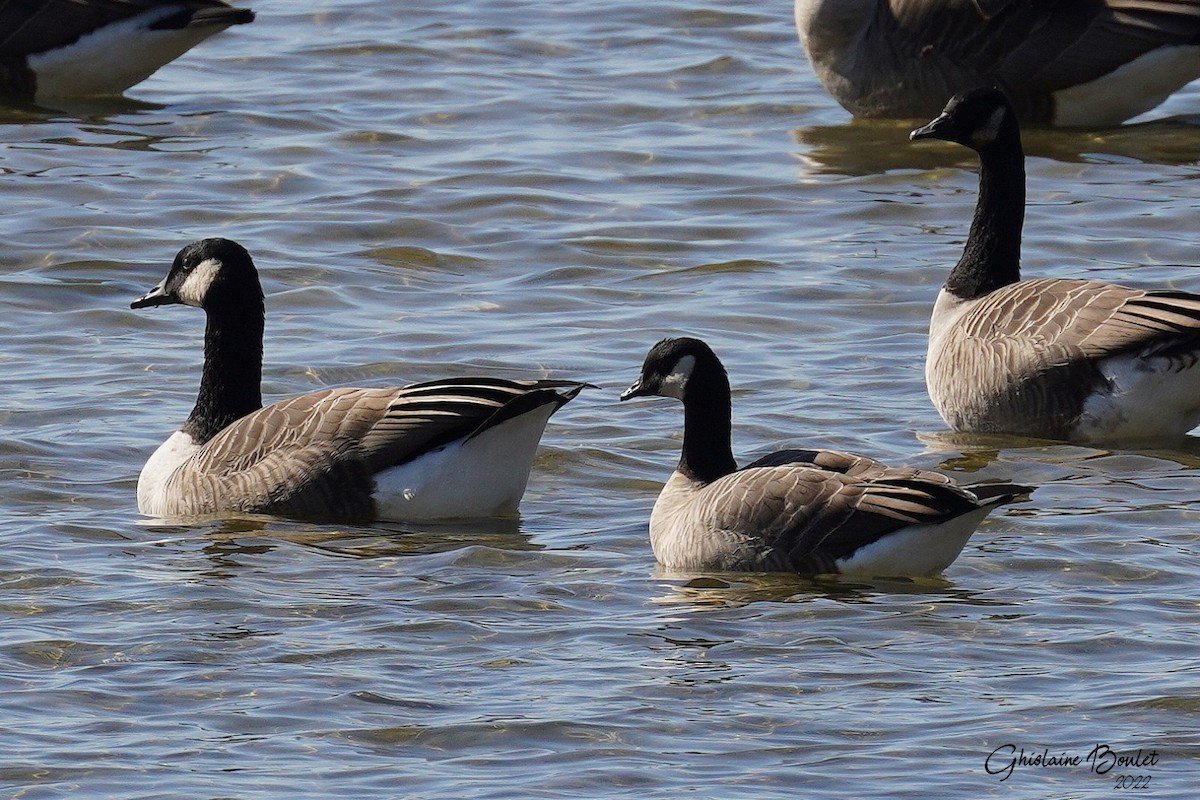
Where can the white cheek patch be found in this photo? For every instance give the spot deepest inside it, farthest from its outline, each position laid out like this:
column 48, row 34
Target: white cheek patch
column 672, row 385
column 986, row 134
column 196, row 285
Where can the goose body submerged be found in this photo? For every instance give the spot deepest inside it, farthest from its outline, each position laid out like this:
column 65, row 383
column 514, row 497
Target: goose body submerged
column 460, row 447
column 804, row 511
column 1063, row 62
column 1051, row 358
column 82, row 48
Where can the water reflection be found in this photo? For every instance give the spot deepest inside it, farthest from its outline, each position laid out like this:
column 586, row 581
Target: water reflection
column 393, row 539
column 228, row 541
column 709, row 591
column 977, row 451
column 107, row 124
column 869, row 147
column 83, row 109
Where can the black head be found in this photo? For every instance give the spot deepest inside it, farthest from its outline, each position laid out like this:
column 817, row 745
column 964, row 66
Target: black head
column 670, row 365
column 976, row 119
column 206, row 274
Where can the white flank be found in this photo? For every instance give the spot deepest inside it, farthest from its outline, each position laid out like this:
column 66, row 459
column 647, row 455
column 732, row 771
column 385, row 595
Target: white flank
column 1129, row 90
column 1145, row 402
column 914, row 551
column 110, row 60
column 482, row 477
column 152, row 482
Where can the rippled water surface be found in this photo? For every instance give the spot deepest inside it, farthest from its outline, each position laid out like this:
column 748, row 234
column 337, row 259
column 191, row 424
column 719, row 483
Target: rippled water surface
column 545, row 189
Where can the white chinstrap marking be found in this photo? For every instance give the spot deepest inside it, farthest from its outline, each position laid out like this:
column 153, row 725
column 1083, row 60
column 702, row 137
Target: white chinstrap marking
column 674, row 383
column 987, row 134
column 198, row 281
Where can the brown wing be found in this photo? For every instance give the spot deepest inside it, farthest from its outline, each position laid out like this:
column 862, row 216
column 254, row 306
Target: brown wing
column 1055, row 321
column 300, row 457
column 315, row 456
column 808, row 518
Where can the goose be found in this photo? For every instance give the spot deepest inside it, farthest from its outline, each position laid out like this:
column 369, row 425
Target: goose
column 1069, row 63
column 460, row 447
column 81, row 48
column 803, row 511
column 1052, row 358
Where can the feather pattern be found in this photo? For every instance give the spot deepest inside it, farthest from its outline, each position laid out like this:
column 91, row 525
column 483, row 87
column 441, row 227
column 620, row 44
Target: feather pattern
column 319, row 455
column 806, row 511
column 799, row 519
column 315, row 456
column 1051, row 358
column 904, row 58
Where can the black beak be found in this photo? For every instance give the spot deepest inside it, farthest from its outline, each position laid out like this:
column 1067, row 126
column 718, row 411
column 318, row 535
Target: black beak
column 155, row 297
column 637, row 389
column 936, row 129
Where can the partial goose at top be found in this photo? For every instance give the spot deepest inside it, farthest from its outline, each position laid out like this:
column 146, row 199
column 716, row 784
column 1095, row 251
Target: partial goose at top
column 805, row 511
column 94, row 48
column 1064, row 63
column 1052, row 358
column 460, row 447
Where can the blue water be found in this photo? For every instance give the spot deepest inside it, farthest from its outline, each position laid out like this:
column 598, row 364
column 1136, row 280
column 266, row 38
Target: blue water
column 534, row 189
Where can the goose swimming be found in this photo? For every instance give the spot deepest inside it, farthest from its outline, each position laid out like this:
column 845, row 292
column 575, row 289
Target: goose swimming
column 460, row 447
column 805, row 511
column 1054, row 358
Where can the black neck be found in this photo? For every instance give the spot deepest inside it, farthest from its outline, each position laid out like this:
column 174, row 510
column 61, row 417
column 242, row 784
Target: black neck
column 707, row 427
column 231, row 381
column 992, row 255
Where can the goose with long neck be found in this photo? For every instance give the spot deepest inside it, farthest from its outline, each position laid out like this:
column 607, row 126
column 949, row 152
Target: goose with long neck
column 1064, row 62
column 460, row 447
column 1051, row 358
column 805, row 511
column 88, row 48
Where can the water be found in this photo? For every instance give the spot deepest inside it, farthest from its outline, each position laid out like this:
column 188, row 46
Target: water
column 533, row 189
